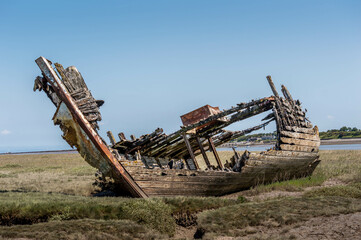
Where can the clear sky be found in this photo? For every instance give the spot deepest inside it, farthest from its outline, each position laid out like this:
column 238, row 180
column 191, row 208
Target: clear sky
column 152, row 61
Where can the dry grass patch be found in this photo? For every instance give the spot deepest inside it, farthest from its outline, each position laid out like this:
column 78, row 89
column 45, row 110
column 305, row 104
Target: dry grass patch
column 62, row 173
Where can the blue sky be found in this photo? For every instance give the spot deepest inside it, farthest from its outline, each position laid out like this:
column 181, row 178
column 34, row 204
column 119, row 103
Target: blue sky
column 152, row 61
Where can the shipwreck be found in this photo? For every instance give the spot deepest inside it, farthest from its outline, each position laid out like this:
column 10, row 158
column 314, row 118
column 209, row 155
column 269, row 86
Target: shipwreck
column 158, row 164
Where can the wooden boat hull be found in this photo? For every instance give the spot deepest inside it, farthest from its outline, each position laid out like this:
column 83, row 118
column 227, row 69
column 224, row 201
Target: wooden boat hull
column 78, row 113
column 260, row 168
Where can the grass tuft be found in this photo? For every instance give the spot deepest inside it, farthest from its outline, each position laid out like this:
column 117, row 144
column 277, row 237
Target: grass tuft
column 350, row 191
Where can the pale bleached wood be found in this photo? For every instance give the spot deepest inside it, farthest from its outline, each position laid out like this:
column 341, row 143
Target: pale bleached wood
column 300, row 130
column 300, row 142
column 296, row 135
column 298, row 148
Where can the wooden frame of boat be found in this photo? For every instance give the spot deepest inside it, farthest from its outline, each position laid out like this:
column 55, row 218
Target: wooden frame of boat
column 157, row 164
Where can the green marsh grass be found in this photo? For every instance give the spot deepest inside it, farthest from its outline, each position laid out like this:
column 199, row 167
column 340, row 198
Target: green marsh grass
column 234, row 220
column 53, row 193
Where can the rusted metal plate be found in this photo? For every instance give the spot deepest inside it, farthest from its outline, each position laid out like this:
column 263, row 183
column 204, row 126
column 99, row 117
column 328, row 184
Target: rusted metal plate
column 199, row 114
column 118, row 172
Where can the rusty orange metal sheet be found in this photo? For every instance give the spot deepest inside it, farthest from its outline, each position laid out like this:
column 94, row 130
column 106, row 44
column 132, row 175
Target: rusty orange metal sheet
column 199, row 114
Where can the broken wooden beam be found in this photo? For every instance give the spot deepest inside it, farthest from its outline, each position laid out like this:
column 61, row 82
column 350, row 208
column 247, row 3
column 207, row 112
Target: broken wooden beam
column 190, row 150
column 297, row 135
column 122, row 136
column 214, row 151
column 111, row 138
column 273, row 88
column 300, row 130
column 298, row 148
column 200, row 144
column 293, row 141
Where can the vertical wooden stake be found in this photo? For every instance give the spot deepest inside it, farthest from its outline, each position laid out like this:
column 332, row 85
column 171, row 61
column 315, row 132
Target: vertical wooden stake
column 203, row 152
column 121, row 136
column 137, row 153
column 111, row 137
column 186, row 162
column 270, row 82
column 213, row 148
column 236, row 154
column 190, row 150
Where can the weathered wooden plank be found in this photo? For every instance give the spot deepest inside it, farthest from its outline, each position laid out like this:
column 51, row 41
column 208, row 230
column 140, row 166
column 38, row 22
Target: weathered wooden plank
column 216, row 156
column 300, row 142
column 197, row 186
column 298, row 148
column 205, row 158
column 296, row 135
column 111, row 137
column 190, row 150
column 283, row 153
column 273, row 88
column 300, row 130
column 181, row 192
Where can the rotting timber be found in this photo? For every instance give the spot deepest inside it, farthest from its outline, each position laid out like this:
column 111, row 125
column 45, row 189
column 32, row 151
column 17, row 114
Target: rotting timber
column 158, row 164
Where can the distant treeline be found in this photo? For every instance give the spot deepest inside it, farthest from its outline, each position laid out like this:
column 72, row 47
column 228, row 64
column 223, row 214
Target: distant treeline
column 257, row 137
column 344, row 132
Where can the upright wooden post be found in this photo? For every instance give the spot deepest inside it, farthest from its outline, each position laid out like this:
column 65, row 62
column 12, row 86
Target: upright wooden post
column 270, row 82
column 284, row 119
column 287, row 94
column 203, row 152
column 122, row 136
column 111, row 137
column 187, row 164
column 190, row 150
column 213, row 148
column 137, row 153
column 236, row 154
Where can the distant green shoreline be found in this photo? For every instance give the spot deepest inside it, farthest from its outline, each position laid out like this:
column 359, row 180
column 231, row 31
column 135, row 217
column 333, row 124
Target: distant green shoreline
column 343, row 133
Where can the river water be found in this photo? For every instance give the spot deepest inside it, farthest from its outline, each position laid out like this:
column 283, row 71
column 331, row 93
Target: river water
column 322, row 147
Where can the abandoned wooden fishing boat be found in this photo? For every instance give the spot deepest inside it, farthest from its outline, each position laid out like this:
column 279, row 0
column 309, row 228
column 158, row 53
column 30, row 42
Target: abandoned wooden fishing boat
column 158, row 164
